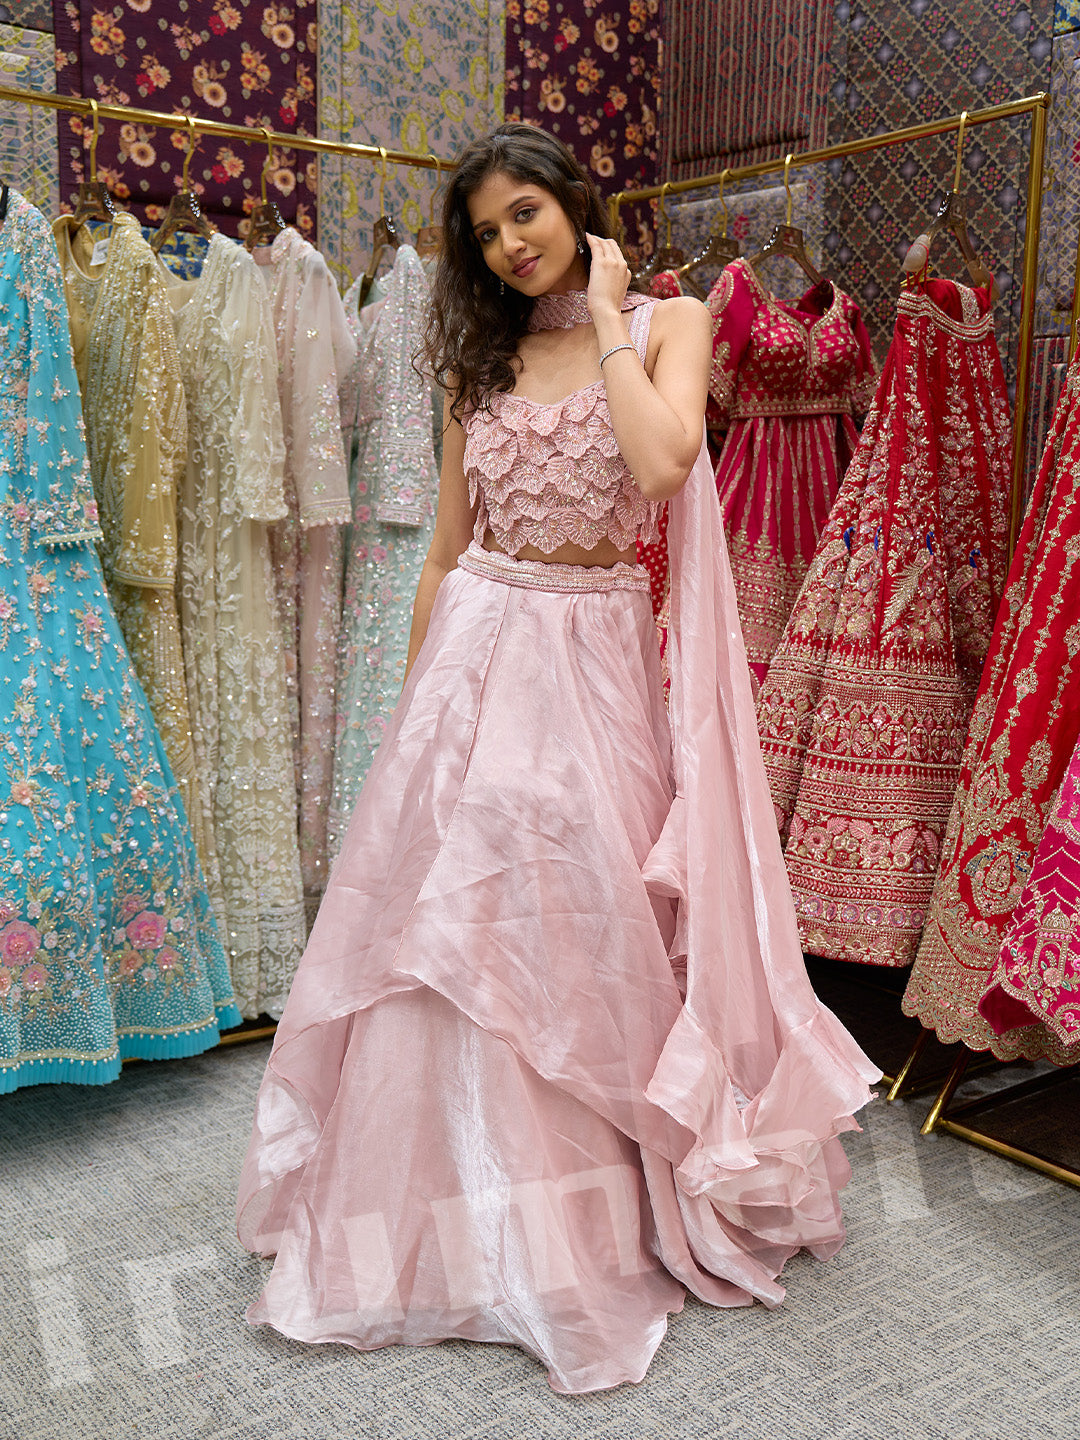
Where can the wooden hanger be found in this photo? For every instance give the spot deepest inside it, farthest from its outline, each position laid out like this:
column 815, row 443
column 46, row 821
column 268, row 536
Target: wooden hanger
column 720, row 248
column 787, row 239
column 93, row 201
column 184, row 212
column 666, row 256
column 266, row 221
column 429, row 238
column 950, row 216
column 384, row 235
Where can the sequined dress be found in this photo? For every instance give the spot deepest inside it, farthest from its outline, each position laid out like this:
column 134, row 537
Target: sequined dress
column 1002, row 917
column 785, row 382
column 394, row 485
column 107, row 943
column 315, row 351
column 865, row 706
column 231, row 493
column 509, row 1099
column 136, row 435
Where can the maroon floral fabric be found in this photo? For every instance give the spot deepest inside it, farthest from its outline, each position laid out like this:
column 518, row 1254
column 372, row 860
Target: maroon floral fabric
column 589, row 72
column 237, row 60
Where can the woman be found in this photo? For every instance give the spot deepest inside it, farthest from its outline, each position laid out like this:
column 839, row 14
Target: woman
column 551, row 1055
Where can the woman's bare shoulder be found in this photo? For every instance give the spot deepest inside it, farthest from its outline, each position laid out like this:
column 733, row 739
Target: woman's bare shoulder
column 679, row 310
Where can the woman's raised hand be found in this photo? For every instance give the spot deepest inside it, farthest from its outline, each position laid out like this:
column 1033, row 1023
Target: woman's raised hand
column 608, row 278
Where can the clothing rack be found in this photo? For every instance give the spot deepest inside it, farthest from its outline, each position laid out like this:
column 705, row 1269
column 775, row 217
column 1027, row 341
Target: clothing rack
column 180, row 120
column 965, row 1121
column 962, row 1121
column 1037, row 105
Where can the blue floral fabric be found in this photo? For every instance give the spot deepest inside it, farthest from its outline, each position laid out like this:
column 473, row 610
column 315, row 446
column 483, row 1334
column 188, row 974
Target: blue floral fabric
column 108, row 948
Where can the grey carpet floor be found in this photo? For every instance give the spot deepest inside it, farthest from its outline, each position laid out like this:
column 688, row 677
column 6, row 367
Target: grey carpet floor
column 952, row 1312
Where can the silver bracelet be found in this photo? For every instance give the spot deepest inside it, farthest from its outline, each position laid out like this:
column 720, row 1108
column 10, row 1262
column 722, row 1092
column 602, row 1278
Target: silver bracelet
column 613, row 350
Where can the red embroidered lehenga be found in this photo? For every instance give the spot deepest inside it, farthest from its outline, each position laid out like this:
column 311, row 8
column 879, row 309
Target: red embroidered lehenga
column 1024, row 728
column 1037, row 977
column 865, row 707
column 786, row 380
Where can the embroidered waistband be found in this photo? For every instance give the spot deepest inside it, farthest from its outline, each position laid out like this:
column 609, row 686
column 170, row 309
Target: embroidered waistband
column 553, row 577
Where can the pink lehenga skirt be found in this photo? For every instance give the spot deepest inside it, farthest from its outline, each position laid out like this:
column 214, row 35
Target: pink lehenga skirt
column 455, row 1136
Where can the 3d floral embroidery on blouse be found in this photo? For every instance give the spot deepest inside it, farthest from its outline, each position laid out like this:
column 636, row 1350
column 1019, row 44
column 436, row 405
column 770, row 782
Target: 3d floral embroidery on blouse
column 548, row 475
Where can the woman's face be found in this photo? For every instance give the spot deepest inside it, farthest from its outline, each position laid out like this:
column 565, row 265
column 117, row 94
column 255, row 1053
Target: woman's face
column 525, row 236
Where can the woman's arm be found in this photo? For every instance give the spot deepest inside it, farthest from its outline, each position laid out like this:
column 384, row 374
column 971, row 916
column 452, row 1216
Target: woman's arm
column 453, row 530
column 657, row 421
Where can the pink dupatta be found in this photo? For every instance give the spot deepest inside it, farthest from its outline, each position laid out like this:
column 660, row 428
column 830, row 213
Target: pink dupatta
column 755, row 1066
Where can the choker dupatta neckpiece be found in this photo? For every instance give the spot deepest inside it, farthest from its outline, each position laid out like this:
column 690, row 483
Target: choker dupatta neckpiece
column 563, row 312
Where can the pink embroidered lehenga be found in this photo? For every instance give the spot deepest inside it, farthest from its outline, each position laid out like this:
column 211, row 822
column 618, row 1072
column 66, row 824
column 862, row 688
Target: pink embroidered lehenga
column 316, row 350
column 866, row 704
column 511, row 1098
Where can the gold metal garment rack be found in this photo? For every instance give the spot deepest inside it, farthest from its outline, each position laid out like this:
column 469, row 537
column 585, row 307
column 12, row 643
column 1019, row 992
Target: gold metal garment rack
column 221, row 128
column 1038, row 105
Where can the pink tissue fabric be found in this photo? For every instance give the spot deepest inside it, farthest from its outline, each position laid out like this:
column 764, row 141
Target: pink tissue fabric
column 552, row 1056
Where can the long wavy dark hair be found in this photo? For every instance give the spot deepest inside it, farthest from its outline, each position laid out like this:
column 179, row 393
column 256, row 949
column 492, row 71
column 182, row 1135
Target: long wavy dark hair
column 473, row 330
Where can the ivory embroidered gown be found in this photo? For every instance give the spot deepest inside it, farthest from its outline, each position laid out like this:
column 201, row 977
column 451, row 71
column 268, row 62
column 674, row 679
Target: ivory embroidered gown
column 785, row 382
column 1002, row 914
column 510, row 1098
column 108, row 947
column 866, row 704
column 230, row 495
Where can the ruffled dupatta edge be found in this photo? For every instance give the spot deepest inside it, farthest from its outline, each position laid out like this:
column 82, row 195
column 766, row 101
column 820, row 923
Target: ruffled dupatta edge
column 752, row 1040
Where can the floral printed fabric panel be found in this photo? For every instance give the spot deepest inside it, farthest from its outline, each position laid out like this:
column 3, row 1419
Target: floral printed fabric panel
column 423, row 76
column 236, row 60
column 28, row 158
column 1061, row 198
column 895, row 63
column 589, row 71
column 1066, row 16
column 740, row 90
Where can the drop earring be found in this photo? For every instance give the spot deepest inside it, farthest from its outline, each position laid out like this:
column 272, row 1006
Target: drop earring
column 580, row 246
column 502, row 288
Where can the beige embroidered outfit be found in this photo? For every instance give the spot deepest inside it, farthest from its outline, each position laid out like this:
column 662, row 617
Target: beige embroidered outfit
column 136, row 432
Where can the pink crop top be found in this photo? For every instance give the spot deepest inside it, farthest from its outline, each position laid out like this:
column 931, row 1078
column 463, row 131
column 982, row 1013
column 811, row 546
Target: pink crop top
column 550, row 475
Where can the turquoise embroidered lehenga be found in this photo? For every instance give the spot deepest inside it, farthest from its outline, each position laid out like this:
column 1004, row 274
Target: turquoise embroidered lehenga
column 108, row 947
